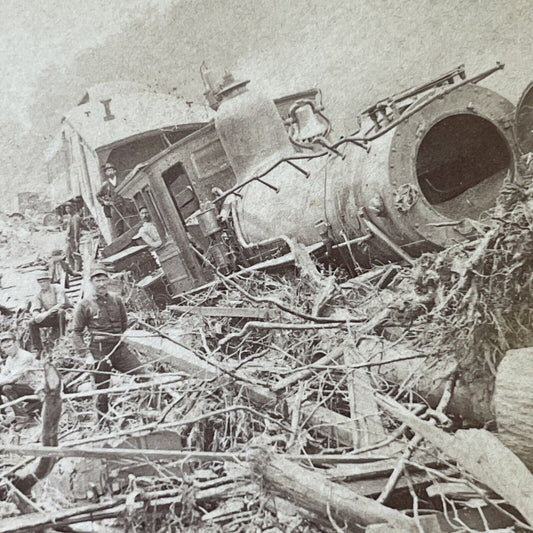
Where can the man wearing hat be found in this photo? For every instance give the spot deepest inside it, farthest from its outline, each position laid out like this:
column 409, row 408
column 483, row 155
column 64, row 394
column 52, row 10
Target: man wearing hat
column 48, row 309
column 116, row 208
column 20, row 374
column 104, row 315
column 106, row 194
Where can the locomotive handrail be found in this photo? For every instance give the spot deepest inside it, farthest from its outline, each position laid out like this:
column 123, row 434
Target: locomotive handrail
column 416, row 109
column 360, row 141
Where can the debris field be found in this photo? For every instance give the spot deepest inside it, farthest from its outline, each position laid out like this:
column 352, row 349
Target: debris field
column 399, row 400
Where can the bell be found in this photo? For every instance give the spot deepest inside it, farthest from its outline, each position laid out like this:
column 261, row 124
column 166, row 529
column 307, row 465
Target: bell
column 308, row 124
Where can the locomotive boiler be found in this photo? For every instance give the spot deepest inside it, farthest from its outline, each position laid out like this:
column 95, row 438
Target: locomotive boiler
column 420, row 167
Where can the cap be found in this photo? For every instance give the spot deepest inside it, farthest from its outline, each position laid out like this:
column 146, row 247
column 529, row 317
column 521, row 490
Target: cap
column 43, row 274
column 7, row 335
column 98, row 270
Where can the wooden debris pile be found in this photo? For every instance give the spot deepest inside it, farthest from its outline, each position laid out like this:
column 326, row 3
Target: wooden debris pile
column 308, row 402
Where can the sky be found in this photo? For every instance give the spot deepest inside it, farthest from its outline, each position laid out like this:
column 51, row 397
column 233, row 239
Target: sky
column 37, row 33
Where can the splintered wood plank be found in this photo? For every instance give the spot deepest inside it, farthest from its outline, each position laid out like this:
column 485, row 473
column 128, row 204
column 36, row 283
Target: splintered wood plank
column 312, row 490
column 157, row 347
column 231, row 312
column 480, row 453
column 364, row 411
column 166, row 347
column 328, row 423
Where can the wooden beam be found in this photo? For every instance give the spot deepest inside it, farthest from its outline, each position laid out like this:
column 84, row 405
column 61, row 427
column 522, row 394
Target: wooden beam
column 170, row 351
column 230, row 312
column 165, row 346
column 328, row 423
column 367, row 428
column 312, row 490
column 51, row 414
column 513, row 403
column 119, row 453
column 480, row 453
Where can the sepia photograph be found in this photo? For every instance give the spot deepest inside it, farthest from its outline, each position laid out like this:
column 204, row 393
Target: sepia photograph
column 266, row 266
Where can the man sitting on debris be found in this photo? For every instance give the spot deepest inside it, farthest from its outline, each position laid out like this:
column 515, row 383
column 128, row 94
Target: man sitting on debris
column 48, row 308
column 148, row 231
column 104, row 315
column 20, row 375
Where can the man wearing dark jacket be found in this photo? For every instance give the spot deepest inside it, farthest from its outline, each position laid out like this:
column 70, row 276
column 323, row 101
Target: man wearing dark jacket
column 104, row 315
column 121, row 211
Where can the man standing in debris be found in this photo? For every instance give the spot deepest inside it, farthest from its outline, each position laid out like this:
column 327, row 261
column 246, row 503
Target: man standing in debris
column 48, row 308
column 106, row 195
column 20, row 375
column 73, row 233
column 59, row 269
column 148, row 231
column 104, row 315
column 116, row 208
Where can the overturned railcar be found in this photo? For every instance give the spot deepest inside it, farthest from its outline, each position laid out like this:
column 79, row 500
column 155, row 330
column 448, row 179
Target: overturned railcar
column 120, row 123
column 420, row 167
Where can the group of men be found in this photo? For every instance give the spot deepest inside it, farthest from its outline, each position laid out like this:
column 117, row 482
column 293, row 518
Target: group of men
column 101, row 313
column 121, row 212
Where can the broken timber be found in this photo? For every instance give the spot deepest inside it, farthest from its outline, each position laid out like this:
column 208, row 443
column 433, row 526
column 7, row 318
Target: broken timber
column 513, row 403
column 480, row 453
column 51, row 413
column 312, row 490
column 229, row 312
column 164, row 347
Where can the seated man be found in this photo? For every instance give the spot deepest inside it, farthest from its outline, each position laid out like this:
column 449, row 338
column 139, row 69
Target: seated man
column 48, row 310
column 20, row 375
column 148, row 231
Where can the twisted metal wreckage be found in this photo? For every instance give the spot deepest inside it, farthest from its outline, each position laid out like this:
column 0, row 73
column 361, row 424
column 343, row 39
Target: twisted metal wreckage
column 248, row 187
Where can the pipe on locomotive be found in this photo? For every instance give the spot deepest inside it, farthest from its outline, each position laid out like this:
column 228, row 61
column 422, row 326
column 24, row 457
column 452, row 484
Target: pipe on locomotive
column 414, row 190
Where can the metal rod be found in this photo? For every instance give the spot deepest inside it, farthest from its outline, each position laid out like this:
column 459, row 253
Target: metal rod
column 269, row 185
column 357, row 240
column 306, row 173
column 416, row 109
column 392, row 245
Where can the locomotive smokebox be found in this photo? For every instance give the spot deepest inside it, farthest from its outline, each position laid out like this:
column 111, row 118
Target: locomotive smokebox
column 423, row 180
column 417, row 185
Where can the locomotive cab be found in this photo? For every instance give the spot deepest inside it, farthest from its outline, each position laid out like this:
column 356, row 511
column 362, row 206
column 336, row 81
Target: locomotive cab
column 178, row 187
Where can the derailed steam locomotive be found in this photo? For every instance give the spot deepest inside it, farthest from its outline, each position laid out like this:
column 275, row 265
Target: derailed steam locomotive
column 421, row 165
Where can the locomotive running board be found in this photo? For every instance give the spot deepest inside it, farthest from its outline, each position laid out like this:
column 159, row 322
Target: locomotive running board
column 264, row 265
